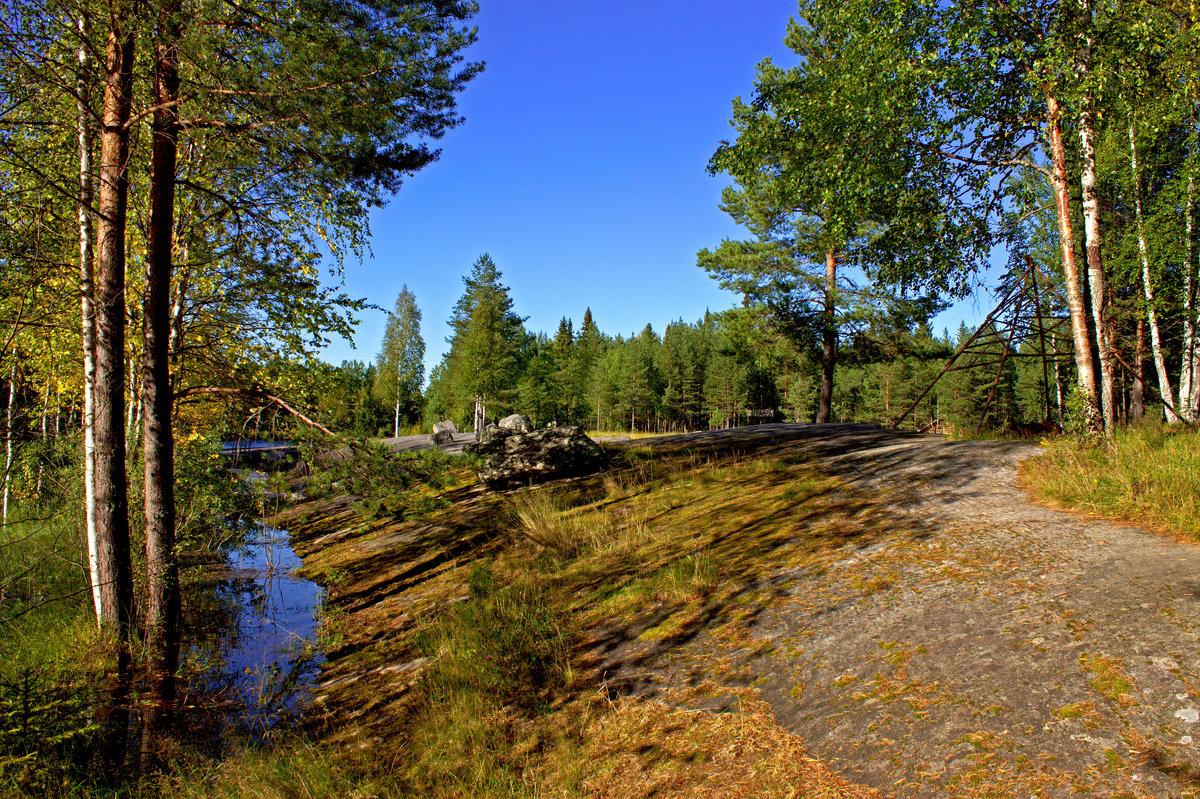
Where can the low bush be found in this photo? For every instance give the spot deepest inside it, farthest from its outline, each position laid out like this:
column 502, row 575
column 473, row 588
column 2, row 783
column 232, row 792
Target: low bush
column 404, row 485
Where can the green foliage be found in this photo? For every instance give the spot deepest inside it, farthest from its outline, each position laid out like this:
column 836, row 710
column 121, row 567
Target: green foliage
column 400, row 367
column 487, row 349
column 509, row 642
column 49, row 653
column 208, row 494
column 403, row 485
column 46, row 733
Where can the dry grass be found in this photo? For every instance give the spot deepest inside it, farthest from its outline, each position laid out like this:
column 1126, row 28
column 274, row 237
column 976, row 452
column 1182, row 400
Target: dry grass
column 637, row 748
column 663, row 546
column 1146, row 475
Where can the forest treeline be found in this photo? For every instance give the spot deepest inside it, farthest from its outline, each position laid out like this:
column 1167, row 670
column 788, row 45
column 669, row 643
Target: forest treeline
column 183, row 181
column 729, row 368
column 915, row 141
column 913, row 144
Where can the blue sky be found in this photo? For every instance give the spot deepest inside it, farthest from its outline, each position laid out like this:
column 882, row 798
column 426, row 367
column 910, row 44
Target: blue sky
column 580, row 168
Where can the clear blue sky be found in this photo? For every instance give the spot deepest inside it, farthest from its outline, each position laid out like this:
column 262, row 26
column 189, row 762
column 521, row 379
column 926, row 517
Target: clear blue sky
column 580, row 168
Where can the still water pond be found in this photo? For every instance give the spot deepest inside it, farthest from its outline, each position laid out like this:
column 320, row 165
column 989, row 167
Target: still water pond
column 258, row 655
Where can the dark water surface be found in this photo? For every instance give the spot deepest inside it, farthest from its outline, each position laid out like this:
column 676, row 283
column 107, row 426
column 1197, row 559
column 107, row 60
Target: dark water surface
column 256, row 654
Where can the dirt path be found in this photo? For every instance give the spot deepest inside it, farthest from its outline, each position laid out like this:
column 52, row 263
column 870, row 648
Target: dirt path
column 1000, row 648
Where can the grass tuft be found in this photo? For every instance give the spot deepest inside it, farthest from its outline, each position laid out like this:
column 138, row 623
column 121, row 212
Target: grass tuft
column 1146, row 475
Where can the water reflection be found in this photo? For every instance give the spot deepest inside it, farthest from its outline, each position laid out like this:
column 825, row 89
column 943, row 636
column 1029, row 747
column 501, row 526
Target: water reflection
column 256, row 653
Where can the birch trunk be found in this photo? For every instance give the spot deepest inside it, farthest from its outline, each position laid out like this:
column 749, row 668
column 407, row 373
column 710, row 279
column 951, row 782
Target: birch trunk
column 87, row 307
column 1160, row 364
column 397, row 425
column 1072, row 278
column 1189, row 380
column 1095, row 264
column 8, row 434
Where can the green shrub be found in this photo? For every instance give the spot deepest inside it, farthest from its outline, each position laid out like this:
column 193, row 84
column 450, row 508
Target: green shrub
column 508, row 642
column 383, row 483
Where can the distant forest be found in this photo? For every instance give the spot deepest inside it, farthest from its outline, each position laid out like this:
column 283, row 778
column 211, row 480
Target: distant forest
column 726, row 369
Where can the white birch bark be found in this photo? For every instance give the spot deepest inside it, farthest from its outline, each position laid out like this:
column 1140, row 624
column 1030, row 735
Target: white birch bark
column 398, row 389
column 1189, row 384
column 8, row 434
column 87, row 310
column 1091, row 223
column 1156, row 350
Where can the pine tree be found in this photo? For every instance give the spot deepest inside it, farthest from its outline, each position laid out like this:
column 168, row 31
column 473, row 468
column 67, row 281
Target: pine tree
column 483, row 364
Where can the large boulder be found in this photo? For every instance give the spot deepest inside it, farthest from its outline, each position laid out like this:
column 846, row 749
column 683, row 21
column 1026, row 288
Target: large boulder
column 443, row 433
column 514, row 458
column 516, row 422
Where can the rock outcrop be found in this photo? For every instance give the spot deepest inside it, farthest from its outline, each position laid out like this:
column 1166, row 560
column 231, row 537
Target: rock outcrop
column 517, row 422
column 515, row 458
column 443, row 433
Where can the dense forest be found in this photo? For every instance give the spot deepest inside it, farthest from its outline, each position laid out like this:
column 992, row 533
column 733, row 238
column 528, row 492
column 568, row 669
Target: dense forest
column 729, row 368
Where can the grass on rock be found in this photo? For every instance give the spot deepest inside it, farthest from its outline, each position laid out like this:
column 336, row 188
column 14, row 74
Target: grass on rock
column 475, row 670
column 1146, row 475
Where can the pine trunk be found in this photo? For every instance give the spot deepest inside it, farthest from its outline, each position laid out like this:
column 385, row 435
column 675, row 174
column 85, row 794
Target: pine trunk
column 162, row 575
column 828, row 340
column 112, row 499
column 1072, row 278
column 1160, row 364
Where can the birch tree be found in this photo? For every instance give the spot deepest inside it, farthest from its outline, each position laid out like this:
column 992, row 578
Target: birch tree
column 400, row 367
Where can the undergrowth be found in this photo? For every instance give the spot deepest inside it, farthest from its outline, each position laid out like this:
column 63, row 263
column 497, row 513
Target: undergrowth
column 402, row 485
column 1146, row 475
column 49, row 652
column 505, row 698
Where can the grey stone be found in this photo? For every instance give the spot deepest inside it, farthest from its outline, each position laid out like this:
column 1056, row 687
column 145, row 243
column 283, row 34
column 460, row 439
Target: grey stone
column 516, row 458
column 443, row 433
column 517, row 422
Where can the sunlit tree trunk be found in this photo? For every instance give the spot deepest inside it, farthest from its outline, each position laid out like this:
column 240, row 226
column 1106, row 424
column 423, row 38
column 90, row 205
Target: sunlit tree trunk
column 1095, row 263
column 83, row 124
column 1160, row 364
column 112, row 499
column 8, row 433
column 1189, row 373
column 1072, row 278
column 162, row 577
column 828, row 339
